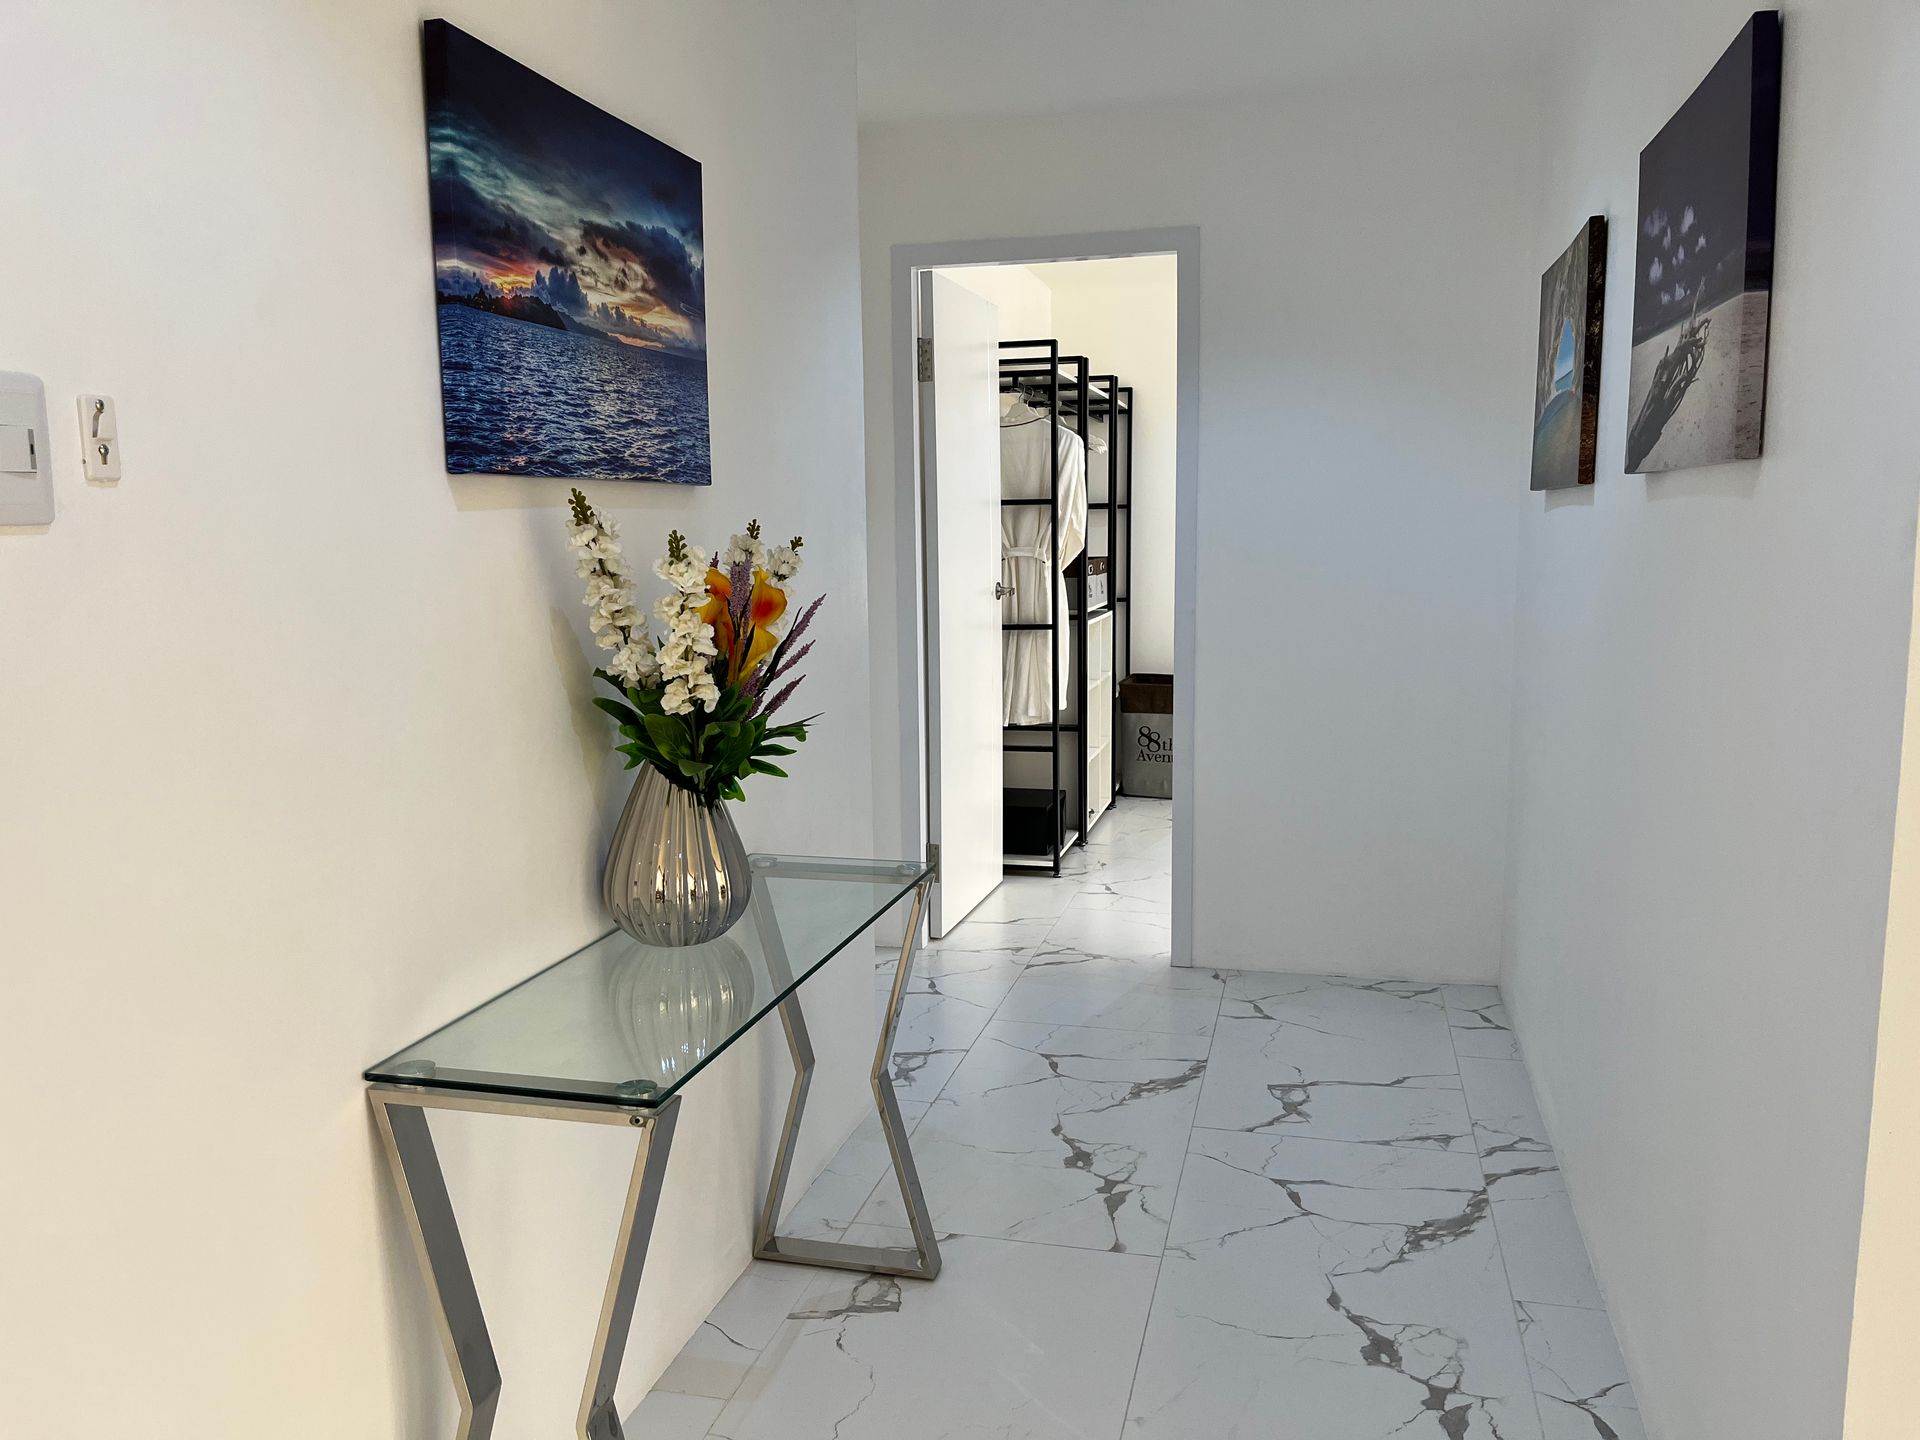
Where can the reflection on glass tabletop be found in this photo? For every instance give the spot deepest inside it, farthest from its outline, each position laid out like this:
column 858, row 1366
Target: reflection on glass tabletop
column 629, row 1024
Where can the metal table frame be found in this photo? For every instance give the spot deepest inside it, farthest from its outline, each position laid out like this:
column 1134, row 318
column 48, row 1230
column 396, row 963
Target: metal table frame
column 400, row 1113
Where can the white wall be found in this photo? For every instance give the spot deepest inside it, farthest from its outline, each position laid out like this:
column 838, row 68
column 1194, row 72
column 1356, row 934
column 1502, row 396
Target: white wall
column 1711, row 667
column 1025, row 303
column 1124, row 314
column 1366, row 353
column 295, row 744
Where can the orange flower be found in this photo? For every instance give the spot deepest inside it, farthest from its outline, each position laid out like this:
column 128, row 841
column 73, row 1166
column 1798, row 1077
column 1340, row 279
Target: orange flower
column 767, row 605
column 717, row 614
column 769, row 601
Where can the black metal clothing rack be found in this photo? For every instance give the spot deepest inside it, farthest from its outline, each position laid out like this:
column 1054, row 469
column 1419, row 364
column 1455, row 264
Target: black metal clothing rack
column 1063, row 384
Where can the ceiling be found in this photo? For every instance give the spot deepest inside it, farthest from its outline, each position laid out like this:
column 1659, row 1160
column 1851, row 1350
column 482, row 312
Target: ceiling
column 925, row 58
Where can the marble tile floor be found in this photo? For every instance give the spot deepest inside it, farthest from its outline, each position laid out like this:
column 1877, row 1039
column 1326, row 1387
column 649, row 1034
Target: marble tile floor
column 1175, row 1205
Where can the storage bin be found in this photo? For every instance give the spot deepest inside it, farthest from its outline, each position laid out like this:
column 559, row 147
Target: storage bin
column 1146, row 736
column 1087, row 582
column 1033, row 820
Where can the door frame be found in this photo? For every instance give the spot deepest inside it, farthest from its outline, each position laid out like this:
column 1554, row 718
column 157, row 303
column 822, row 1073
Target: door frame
column 1182, row 242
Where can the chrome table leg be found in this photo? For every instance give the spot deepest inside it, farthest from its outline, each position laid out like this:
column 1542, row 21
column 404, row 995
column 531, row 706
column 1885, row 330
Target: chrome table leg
column 599, row 1418
column 443, row 1262
column 922, row 1260
column 400, row 1112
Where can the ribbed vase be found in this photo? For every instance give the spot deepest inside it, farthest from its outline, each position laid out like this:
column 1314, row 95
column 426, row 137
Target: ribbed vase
column 677, row 873
column 674, row 1010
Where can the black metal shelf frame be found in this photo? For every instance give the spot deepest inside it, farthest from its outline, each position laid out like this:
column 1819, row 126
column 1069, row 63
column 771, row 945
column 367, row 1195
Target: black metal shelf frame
column 1075, row 397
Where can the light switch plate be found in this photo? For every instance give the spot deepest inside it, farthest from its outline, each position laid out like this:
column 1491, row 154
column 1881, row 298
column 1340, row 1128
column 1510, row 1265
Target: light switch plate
column 99, row 438
column 26, row 497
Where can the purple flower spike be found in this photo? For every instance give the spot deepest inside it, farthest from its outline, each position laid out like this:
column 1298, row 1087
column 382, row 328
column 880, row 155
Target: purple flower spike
column 740, row 589
column 781, row 699
column 806, row 619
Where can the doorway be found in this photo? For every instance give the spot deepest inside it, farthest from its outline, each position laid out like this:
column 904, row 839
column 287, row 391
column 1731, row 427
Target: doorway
column 1093, row 341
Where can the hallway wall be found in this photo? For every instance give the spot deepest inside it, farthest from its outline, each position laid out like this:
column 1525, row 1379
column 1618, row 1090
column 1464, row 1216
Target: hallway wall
column 1707, row 734
column 1366, row 347
column 296, row 753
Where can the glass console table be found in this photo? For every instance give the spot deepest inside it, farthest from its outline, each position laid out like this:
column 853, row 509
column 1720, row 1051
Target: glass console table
column 609, row 1036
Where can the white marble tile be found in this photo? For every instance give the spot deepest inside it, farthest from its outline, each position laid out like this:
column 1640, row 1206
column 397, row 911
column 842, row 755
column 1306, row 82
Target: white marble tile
column 1343, row 1261
column 1546, row 1258
column 1117, row 996
column 1058, row 1134
column 831, row 1202
column 1133, row 858
column 1313, row 1289
column 666, row 1415
column 982, row 977
column 1578, row 1375
column 1507, row 1127
column 1082, row 935
column 933, row 1037
column 1465, row 998
column 1480, row 1026
column 1150, row 896
column 717, row 1357
column 1024, row 897
column 992, row 933
column 1013, row 1341
column 1335, row 1060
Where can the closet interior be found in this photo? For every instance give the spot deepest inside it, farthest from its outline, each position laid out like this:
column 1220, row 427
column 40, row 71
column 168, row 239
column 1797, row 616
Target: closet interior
column 1066, row 528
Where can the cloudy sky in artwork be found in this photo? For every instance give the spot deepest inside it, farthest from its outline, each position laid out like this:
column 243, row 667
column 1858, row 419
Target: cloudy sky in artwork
column 535, row 190
column 1695, row 246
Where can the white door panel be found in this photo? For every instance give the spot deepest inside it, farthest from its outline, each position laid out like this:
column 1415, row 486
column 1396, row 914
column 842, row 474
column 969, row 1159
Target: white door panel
column 960, row 467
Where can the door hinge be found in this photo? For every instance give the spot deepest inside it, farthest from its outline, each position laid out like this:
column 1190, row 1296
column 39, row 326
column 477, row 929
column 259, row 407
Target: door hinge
column 933, row 855
column 924, row 347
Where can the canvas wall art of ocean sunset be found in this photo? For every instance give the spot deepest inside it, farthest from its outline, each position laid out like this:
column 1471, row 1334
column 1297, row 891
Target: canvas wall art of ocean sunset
column 569, row 273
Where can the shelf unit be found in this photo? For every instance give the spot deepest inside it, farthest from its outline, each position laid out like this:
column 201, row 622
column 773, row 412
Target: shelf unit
column 1080, row 745
column 1059, row 384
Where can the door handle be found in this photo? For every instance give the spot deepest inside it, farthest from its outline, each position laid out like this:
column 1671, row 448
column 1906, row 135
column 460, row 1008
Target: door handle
column 1000, row 592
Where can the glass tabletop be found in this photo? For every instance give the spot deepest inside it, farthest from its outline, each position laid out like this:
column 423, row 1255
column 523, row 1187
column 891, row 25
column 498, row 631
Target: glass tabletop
column 629, row 1023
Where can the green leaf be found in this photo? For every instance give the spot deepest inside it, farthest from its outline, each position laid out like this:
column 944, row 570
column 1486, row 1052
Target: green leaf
column 621, row 712
column 669, row 735
column 761, row 767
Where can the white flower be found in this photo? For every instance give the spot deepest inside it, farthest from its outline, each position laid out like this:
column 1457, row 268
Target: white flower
column 705, row 691
column 634, row 665
column 677, row 699
column 783, row 563
column 688, row 576
column 744, row 547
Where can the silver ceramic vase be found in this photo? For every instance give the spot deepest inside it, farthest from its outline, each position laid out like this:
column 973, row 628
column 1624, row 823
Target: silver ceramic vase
column 677, row 873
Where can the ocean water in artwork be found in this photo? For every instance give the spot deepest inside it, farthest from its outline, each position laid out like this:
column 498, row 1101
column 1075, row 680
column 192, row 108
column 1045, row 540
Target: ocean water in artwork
column 528, row 399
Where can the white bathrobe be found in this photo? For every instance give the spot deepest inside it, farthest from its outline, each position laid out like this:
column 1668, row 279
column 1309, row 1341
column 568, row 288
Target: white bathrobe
column 1035, row 564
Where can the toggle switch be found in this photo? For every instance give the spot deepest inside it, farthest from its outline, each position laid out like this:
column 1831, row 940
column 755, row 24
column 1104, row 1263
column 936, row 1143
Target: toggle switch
column 99, row 438
column 19, row 452
column 26, row 470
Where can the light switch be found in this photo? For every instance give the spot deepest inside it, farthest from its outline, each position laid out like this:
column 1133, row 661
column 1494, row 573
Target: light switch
column 99, row 438
column 19, row 454
column 26, row 470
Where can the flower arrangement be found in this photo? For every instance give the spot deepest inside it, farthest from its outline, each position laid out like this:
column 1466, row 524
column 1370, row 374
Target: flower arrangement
column 699, row 705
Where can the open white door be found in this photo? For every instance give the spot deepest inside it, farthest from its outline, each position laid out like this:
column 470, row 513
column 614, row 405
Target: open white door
column 960, row 467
